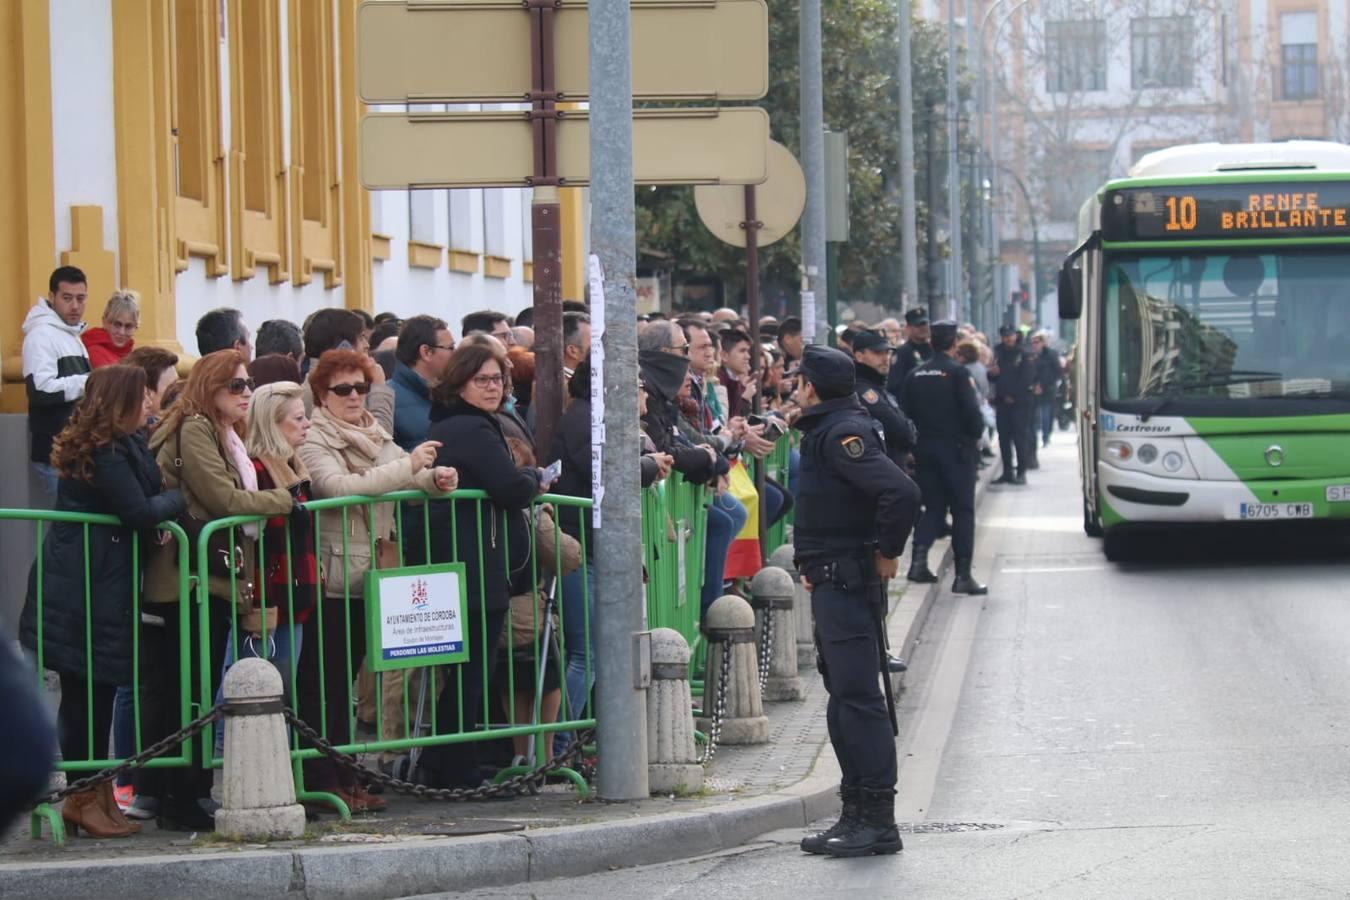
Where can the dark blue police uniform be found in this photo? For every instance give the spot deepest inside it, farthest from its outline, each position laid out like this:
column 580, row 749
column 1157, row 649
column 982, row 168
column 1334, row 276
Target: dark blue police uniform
column 1014, row 385
column 897, row 431
column 852, row 503
column 942, row 398
column 909, row 355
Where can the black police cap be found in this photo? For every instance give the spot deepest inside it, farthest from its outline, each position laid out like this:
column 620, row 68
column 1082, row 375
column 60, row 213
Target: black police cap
column 1005, row 330
column 916, row 316
column 944, row 334
column 870, row 340
column 829, row 370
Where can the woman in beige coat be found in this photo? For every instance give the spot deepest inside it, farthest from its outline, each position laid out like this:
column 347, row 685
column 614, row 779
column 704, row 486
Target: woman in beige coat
column 348, row 453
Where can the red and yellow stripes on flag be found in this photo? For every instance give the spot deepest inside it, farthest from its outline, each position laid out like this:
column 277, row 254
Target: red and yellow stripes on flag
column 744, row 558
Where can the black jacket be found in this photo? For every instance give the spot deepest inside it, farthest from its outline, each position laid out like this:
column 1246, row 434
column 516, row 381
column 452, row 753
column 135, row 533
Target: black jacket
column 850, row 494
column 897, row 431
column 908, row 357
column 1016, row 375
column 572, row 445
column 472, row 442
column 663, row 374
column 941, row 396
column 126, row 483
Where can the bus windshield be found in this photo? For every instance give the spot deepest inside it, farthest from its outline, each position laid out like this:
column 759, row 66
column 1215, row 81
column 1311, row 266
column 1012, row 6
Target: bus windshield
column 1227, row 325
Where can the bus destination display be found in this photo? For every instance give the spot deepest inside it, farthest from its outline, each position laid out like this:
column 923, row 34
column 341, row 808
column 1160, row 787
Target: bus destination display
column 1219, row 211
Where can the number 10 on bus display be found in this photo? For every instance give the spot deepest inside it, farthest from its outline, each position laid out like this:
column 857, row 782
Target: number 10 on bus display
column 1182, row 213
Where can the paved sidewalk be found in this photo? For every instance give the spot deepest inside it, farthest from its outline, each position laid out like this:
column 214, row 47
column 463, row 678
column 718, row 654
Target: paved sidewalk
column 422, row 847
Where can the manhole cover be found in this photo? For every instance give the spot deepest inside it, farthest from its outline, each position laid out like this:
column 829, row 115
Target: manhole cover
column 947, row 827
column 467, row 827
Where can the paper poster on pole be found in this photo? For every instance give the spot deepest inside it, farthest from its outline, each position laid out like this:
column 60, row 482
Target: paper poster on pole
column 596, row 275
column 416, row 616
column 808, row 317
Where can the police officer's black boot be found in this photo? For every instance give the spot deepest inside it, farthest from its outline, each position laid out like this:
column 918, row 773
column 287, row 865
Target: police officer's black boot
column 874, row 834
column 965, row 583
column 848, row 817
column 919, row 573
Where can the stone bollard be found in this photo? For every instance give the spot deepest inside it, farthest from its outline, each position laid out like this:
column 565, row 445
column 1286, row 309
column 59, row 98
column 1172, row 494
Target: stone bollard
column 744, row 722
column 259, row 788
column 801, row 608
column 672, row 758
column 774, row 598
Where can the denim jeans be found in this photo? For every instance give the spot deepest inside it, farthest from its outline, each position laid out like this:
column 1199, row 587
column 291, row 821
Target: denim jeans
column 48, row 476
column 578, row 615
column 281, row 649
column 1045, row 408
column 726, row 518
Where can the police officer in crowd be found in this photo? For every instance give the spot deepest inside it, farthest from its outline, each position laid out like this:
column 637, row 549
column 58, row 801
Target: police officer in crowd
column 914, row 352
column 1013, row 377
column 854, row 512
column 941, row 397
column 871, row 362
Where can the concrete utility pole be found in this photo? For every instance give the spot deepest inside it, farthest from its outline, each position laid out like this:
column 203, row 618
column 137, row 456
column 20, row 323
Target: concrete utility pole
column 813, row 163
column 909, row 248
column 621, row 705
column 953, row 165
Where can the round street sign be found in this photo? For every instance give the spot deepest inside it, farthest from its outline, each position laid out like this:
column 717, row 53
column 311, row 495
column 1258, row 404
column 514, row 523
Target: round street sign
column 778, row 201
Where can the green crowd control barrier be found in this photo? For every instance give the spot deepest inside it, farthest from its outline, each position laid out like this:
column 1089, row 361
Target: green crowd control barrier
column 68, row 526
column 777, row 465
column 512, row 685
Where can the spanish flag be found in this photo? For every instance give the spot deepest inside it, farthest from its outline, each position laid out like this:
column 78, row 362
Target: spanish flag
column 744, row 558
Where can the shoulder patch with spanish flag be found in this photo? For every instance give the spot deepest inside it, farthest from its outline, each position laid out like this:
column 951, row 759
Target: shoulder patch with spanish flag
column 870, row 396
column 853, row 446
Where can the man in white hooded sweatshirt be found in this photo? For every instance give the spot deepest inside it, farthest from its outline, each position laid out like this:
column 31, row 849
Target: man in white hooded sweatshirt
column 55, row 364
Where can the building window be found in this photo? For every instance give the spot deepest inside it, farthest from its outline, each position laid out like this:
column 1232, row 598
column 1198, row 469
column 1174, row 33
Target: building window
column 1298, row 56
column 1161, row 52
column 1075, row 55
column 198, row 160
column 1078, row 173
column 315, row 189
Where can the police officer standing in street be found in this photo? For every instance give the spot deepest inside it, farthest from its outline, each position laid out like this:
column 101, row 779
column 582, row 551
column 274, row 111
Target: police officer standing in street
column 1013, row 377
column 941, row 397
column 871, row 361
column 914, row 352
column 854, row 512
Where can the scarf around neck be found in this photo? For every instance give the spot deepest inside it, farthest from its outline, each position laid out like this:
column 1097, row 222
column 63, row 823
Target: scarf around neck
column 366, row 438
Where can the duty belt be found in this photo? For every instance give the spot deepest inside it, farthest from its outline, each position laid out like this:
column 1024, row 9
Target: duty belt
column 846, row 574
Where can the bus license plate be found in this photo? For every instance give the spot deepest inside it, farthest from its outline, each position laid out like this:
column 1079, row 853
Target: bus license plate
column 1268, row 511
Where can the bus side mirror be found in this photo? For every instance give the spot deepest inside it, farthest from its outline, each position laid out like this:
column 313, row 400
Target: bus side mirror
column 1070, row 292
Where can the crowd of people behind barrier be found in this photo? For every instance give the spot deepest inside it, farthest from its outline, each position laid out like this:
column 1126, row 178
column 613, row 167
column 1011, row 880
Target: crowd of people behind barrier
column 341, row 406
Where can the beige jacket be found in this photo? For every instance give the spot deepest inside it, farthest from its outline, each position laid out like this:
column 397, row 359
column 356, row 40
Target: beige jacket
column 554, row 548
column 213, row 490
column 338, row 469
column 379, row 402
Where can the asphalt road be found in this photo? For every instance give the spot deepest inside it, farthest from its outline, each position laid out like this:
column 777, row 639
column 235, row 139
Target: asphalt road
column 1173, row 727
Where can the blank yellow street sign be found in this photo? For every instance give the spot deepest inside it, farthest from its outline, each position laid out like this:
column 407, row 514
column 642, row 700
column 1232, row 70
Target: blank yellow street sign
column 779, row 201
column 462, row 51
column 496, row 149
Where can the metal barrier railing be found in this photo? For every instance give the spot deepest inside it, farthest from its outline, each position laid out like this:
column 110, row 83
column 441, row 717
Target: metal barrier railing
column 68, row 526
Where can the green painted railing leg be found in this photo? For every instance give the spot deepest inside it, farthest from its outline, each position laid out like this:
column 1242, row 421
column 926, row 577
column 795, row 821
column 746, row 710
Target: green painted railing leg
column 304, row 796
column 583, row 789
column 54, row 821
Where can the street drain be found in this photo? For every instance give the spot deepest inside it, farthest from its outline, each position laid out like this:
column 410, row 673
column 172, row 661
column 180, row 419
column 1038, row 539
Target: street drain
column 947, row 827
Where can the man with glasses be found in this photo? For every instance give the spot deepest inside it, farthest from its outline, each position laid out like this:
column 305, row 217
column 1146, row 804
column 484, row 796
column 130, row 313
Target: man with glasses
column 489, row 321
column 423, row 353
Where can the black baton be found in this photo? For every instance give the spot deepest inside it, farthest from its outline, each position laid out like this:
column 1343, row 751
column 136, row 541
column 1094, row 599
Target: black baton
column 879, row 616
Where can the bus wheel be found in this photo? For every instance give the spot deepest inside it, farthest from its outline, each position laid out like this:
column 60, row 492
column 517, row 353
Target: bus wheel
column 1115, row 544
column 1092, row 525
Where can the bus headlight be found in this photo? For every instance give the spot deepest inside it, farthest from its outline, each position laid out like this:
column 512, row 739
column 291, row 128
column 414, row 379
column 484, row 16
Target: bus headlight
column 1119, row 450
column 1147, row 454
column 1172, row 461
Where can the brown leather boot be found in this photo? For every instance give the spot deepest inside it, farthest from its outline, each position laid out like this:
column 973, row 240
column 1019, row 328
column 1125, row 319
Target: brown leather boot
column 85, row 810
column 109, row 800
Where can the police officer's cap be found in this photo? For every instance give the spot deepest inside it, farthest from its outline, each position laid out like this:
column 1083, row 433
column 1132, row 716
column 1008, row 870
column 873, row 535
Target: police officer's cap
column 916, row 316
column 870, row 340
column 944, row 334
column 1005, row 330
column 829, row 370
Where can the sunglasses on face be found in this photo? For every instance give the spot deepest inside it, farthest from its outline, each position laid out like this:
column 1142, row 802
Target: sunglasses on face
column 345, row 390
column 239, row 385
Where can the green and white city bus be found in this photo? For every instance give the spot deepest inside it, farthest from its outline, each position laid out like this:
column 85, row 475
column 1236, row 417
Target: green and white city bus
column 1212, row 287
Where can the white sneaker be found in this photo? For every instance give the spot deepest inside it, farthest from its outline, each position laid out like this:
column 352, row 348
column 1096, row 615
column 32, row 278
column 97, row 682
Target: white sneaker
column 142, row 808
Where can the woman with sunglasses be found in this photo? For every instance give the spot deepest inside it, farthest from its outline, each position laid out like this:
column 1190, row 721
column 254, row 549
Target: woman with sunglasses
column 200, row 447
column 469, row 435
column 348, row 453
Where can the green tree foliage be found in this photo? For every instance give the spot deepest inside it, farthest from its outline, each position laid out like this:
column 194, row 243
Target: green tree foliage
column 861, row 98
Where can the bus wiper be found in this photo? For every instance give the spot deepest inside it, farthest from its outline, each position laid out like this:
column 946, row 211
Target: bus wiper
column 1235, row 376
